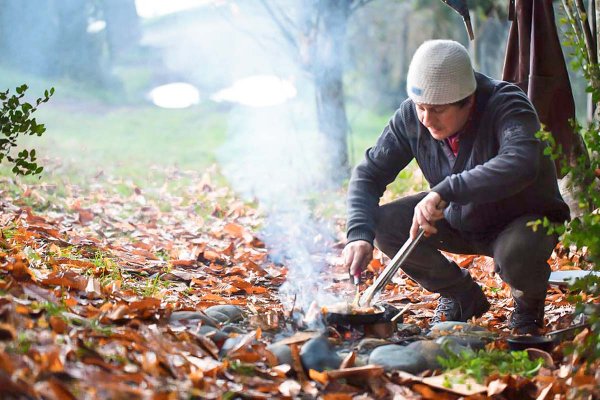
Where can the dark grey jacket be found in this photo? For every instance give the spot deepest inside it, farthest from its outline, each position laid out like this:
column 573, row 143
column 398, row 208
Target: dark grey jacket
column 500, row 172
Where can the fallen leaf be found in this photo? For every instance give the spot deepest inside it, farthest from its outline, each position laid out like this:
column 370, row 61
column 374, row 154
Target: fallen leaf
column 290, row 388
column 320, row 377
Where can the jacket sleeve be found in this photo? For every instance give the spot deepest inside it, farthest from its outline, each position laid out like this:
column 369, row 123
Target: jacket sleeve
column 515, row 166
column 381, row 165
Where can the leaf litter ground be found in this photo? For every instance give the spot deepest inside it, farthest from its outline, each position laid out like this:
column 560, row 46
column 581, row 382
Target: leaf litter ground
column 90, row 279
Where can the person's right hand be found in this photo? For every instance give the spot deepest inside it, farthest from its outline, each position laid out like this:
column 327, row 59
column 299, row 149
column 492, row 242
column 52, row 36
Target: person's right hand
column 357, row 256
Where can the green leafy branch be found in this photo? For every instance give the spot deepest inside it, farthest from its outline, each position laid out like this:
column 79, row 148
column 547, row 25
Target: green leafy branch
column 481, row 364
column 16, row 120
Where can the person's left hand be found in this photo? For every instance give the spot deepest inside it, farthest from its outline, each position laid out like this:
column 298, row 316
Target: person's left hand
column 427, row 211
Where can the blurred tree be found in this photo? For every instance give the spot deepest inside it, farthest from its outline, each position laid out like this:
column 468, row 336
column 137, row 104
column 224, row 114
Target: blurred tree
column 316, row 30
column 380, row 42
column 79, row 53
column 383, row 37
column 28, row 35
column 122, row 26
column 67, row 37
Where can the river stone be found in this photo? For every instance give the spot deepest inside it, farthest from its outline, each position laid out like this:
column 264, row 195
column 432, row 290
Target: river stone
column 218, row 316
column 191, row 318
column 213, row 333
column 457, row 342
column 229, row 344
column 234, row 313
column 368, row 344
column 282, row 352
column 405, row 330
column 454, row 327
column 318, row 354
column 414, row 358
column 451, row 345
column 233, row 329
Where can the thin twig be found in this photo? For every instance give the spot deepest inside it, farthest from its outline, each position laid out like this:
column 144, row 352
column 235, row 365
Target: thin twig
column 282, row 28
column 358, row 5
column 567, row 4
column 587, row 32
column 593, row 24
column 405, row 309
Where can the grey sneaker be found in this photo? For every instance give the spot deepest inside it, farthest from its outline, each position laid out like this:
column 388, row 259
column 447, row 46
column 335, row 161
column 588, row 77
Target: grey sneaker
column 527, row 317
column 462, row 307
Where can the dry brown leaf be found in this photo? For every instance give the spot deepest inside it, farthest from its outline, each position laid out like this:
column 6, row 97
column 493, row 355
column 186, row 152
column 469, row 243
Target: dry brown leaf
column 495, row 387
column 337, row 396
column 58, row 324
column 348, row 361
column 367, row 371
column 290, row 388
column 52, row 389
column 297, row 363
column 65, row 279
column 20, row 270
column 7, row 332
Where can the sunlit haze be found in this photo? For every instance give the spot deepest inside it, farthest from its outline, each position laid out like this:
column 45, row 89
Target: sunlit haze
column 257, row 91
column 157, row 8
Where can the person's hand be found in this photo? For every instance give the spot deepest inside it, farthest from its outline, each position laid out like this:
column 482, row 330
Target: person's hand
column 357, row 256
column 427, row 211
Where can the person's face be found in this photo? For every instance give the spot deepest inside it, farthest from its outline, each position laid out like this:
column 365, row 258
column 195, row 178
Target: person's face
column 444, row 120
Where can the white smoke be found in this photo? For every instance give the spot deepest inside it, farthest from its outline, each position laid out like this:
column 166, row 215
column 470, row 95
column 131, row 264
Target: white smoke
column 276, row 156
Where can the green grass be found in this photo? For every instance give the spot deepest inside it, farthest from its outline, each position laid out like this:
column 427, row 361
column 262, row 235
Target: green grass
column 115, row 131
column 366, row 127
column 91, row 139
column 139, row 143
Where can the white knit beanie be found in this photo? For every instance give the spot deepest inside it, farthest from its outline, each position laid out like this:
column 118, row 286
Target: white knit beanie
column 440, row 73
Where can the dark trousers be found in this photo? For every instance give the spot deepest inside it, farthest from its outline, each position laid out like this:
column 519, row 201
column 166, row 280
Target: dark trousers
column 520, row 254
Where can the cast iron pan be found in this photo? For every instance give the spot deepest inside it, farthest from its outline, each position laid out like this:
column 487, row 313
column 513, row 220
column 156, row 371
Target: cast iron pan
column 386, row 313
column 544, row 342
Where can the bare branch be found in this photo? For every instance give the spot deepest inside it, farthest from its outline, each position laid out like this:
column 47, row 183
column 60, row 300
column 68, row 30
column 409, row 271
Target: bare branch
column 278, row 19
column 358, row 5
column 592, row 19
column 260, row 41
column 287, row 21
column 570, row 11
column 587, row 32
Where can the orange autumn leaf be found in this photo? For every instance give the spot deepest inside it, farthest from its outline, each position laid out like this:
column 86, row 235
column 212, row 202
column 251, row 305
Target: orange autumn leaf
column 85, row 216
column 256, row 290
column 70, row 261
column 317, row 376
column 337, row 396
column 425, row 391
column 234, row 230
column 239, row 282
column 20, row 270
column 212, row 297
column 375, row 266
column 58, row 324
column 66, row 279
column 183, row 263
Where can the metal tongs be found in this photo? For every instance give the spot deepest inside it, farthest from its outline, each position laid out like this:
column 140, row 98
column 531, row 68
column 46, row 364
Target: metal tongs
column 388, row 273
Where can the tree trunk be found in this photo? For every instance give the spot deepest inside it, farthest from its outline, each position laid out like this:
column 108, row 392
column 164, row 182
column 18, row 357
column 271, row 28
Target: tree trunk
column 328, row 77
column 122, row 26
